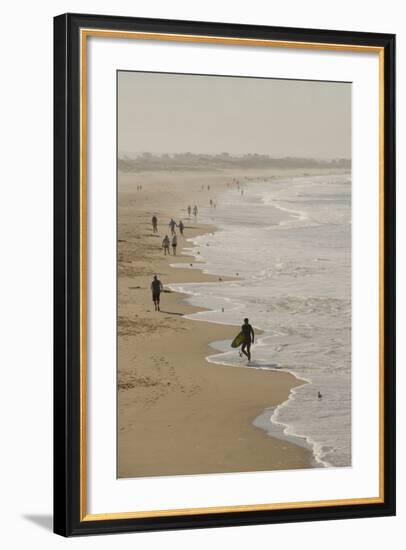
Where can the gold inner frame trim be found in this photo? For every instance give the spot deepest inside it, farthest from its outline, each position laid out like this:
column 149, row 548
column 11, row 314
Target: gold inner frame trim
column 173, row 37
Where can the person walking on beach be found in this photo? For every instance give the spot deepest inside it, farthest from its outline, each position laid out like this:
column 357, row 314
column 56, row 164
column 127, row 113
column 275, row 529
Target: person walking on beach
column 195, row 210
column 156, row 287
column 172, row 225
column 181, row 227
column 211, row 203
column 174, row 244
column 249, row 336
column 189, row 210
column 165, row 245
column 154, row 224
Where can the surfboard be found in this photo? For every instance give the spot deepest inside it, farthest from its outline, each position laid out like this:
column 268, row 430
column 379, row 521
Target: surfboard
column 238, row 340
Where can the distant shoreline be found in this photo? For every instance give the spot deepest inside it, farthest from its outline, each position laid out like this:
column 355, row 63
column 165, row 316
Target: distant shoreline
column 145, row 162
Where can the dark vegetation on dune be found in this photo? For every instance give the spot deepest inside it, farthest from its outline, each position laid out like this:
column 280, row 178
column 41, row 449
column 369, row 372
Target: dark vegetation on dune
column 192, row 161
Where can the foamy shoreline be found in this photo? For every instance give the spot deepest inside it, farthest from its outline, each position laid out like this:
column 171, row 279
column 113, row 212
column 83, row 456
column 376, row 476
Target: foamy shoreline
column 170, row 402
column 291, row 217
column 271, row 427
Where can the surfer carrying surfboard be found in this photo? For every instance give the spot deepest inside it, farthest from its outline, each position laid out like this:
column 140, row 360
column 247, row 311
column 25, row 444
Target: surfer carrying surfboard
column 244, row 339
column 248, row 338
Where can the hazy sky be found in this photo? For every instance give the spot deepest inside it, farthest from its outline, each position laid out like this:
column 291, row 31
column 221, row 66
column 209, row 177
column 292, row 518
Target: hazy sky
column 171, row 113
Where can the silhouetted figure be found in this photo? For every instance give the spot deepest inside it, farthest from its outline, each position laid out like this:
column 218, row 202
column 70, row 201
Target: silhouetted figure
column 249, row 337
column 154, row 224
column 174, row 244
column 172, row 225
column 165, row 245
column 156, row 287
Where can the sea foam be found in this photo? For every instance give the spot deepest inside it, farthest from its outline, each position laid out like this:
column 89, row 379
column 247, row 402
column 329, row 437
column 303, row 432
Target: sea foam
column 287, row 242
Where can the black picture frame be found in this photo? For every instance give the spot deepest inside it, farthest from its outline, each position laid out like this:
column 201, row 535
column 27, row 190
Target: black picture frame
column 68, row 520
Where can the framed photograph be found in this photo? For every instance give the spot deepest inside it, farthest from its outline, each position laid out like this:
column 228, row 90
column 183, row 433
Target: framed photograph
column 224, row 274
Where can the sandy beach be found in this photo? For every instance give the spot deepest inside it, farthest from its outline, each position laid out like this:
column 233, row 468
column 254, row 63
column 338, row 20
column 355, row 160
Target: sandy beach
column 177, row 413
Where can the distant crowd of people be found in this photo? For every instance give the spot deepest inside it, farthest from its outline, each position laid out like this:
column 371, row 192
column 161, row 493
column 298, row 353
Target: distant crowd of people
column 167, row 244
column 172, row 241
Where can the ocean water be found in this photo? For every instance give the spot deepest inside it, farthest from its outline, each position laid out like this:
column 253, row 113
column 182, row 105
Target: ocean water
column 288, row 244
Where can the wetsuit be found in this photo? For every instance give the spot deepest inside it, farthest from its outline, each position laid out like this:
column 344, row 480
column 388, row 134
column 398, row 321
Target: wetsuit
column 248, row 333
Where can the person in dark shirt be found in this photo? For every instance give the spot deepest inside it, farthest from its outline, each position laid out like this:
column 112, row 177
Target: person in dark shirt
column 154, row 224
column 172, row 225
column 156, row 287
column 174, row 244
column 165, row 245
column 249, row 337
